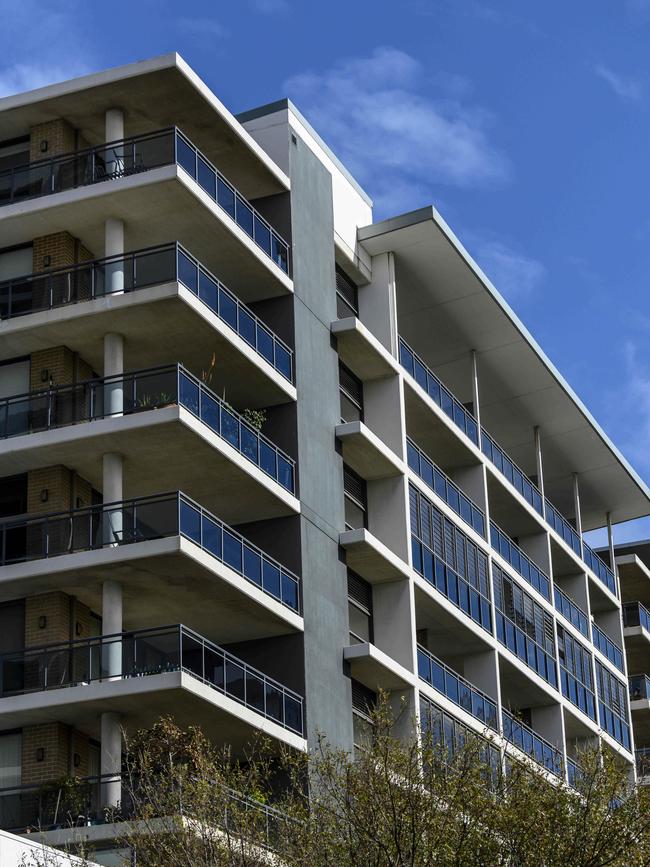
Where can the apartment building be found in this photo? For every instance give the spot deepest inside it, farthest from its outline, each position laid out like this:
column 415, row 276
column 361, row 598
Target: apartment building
column 263, row 457
column 633, row 568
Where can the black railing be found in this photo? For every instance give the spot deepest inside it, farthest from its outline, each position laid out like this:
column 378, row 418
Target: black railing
column 167, row 263
column 140, row 391
column 520, row 562
column 516, row 732
column 145, row 519
column 572, row 612
column 438, row 392
column 131, row 156
column 464, row 694
column 607, row 647
column 148, row 652
column 78, row 802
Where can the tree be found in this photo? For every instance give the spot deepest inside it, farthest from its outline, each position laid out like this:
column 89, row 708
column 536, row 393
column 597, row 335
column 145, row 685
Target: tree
column 399, row 802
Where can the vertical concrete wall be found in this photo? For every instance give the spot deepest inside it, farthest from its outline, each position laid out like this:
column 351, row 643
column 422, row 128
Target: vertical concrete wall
column 328, row 692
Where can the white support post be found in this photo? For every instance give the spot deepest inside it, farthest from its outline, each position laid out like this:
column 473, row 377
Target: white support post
column 114, row 246
column 112, row 625
column 114, row 124
column 612, row 552
column 111, row 759
column 113, row 493
column 576, row 504
column 475, row 391
column 114, row 366
column 538, row 462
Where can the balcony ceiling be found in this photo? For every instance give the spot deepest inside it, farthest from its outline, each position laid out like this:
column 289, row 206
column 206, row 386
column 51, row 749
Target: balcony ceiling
column 442, row 292
column 154, row 94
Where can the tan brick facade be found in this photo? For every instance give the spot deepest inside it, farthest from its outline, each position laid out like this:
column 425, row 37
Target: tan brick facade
column 65, row 618
column 57, row 481
column 56, row 366
column 59, row 744
column 60, row 136
column 63, row 250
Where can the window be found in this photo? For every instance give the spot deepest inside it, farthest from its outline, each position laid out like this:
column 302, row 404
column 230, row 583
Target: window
column 10, row 759
column 16, row 262
column 523, row 626
column 612, row 705
column 363, row 703
column 449, row 560
column 351, row 392
column 359, row 609
column 356, row 500
column 347, row 300
column 14, row 153
column 575, row 673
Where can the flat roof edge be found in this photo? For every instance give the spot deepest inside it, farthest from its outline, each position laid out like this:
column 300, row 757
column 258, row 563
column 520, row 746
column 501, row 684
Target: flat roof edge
column 285, row 104
column 430, row 214
column 91, row 79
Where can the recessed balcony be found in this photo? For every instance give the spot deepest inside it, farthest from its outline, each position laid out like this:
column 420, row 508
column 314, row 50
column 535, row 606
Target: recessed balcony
column 168, row 425
column 156, row 183
column 171, row 556
column 161, row 300
column 143, row 674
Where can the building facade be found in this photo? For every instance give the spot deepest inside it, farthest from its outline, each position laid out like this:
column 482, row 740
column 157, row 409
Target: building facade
column 263, row 457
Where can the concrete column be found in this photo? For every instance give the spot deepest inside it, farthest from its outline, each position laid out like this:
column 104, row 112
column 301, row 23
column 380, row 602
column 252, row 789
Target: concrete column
column 377, row 302
column 475, row 391
column 112, row 493
column 111, row 759
column 113, row 366
column 576, row 504
column 114, row 124
column 114, row 246
column 112, row 625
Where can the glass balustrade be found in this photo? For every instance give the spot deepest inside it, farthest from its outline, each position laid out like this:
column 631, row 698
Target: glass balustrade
column 144, row 653
column 131, row 156
column 607, row 647
column 600, row 569
column 520, row 562
column 442, row 485
column 140, row 269
column 528, row 741
column 456, row 688
column 145, row 519
column 636, row 614
column 642, row 757
column 639, row 687
column 140, row 391
column 572, row 612
column 516, row 476
column 439, row 393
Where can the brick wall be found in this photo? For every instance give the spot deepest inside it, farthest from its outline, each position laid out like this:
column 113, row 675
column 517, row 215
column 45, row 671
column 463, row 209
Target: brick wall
column 65, row 618
column 56, row 365
column 57, row 481
column 54, row 739
column 59, row 135
column 62, row 248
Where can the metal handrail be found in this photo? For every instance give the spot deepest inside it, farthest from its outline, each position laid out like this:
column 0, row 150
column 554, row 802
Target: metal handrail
column 520, row 562
column 512, row 472
column 571, row 611
column 432, row 660
column 607, row 647
column 636, row 614
column 127, row 522
column 556, row 766
column 121, row 158
column 437, row 391
column 639, row 686
column 46, row 409
column 74, row 662
column 86, row 281
column 435, row 479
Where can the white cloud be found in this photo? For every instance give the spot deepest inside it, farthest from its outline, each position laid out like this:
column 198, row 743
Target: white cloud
column 29, row 76
column 625, row 87
column 49, row 31
column 203, row 27
column 515, row 275
column 391, row 136
column 270, row 7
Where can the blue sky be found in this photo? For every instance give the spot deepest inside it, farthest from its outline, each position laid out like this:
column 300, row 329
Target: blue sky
column 525, row 124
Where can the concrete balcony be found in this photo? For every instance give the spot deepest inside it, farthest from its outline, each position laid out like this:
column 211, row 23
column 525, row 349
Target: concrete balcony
column 370, row 558
column 142, row 675
column 376, row 669
column 360, row 350
column 366, row 453
column 172, row 430
column 165, row 304
column 157, row 183
column 173, row 559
